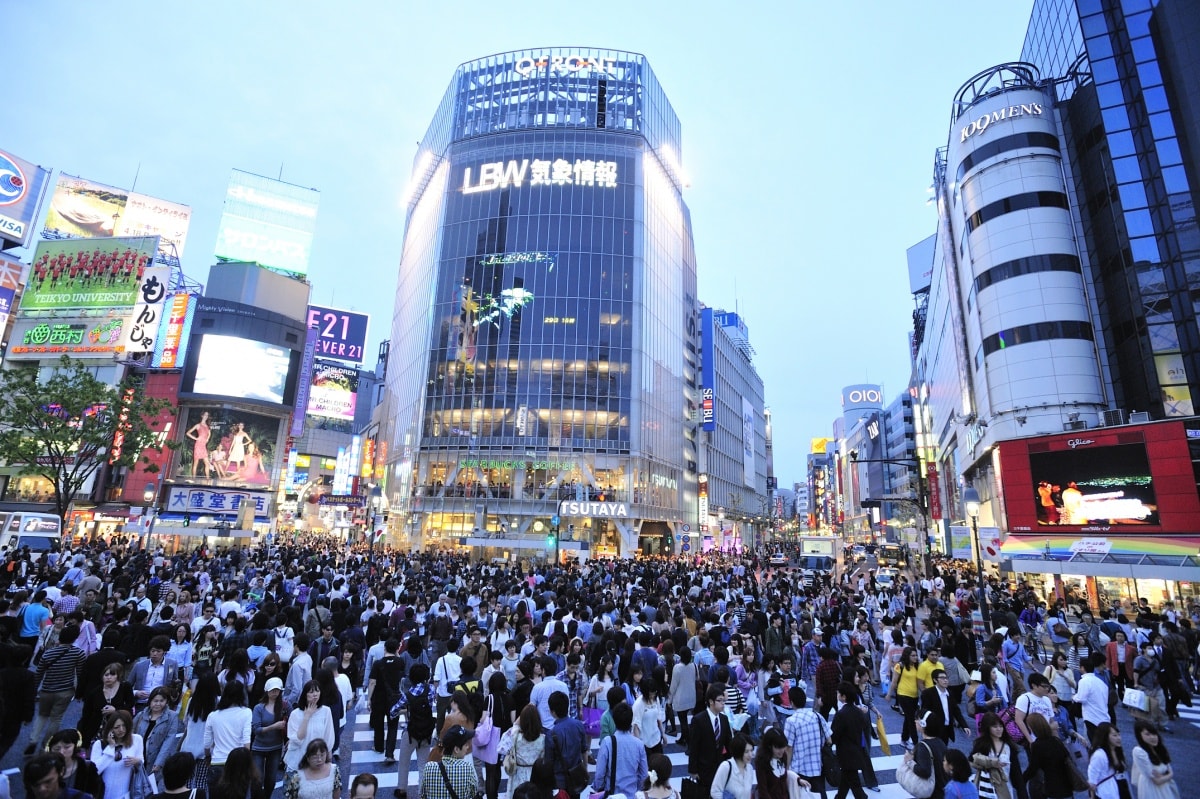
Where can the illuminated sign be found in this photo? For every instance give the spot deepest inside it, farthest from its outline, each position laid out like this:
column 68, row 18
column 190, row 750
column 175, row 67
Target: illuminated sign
column 208, row 500
column 368, row 458
column 707, row 412
column 342, row 335
column 1011, row 112
column 560, row 172
column 518, row 258
column 83, row 273
column 602, row 509
column 172, row 337
column 82, row 208
column 267, row 221
column 334, row 392
column 21, row 187
column 74, row 337
column 148, row 313
column 553, row 466
column 564, row 64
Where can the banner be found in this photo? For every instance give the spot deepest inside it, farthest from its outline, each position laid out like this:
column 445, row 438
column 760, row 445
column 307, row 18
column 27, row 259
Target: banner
column 78, row 273
column 82, row 208
column 960, row 542
column 81, row 337
column 147, row 314
column 334, row 392
column 21, row 187
column 215, row 502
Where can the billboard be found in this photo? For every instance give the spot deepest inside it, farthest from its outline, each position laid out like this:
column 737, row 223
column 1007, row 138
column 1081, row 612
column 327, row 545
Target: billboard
column 82, row 337
column 242, row 368
column 267, row 221
column 334, row 392
column 708, row 376
column 1125, row 479
column 82, row 273
column 170, row 346
column 747, row 443
column 21, row 187
column 84, row 209
column 226, row 446
column 148, row 313
column 341, row 335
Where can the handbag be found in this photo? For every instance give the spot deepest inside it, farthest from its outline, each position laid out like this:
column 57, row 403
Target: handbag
column 884, row 746
column 1137, row 699
column 918, row 787
column 591, row 720
column 831, row 770
column 690, row 789
column 487, row 737
column 1009, row 717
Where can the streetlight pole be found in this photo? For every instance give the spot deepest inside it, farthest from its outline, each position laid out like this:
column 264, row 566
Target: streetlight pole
column 972, row 503
column 150, row 497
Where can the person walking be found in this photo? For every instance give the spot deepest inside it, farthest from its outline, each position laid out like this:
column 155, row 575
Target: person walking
column 57, row 670
column 621, row 763
column 383, row 691
column 806, row 732
column 1153, row 777
column 710, row 735
column 849, row 732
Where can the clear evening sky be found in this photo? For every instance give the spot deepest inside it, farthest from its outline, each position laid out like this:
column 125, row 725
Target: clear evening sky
column 808, row 135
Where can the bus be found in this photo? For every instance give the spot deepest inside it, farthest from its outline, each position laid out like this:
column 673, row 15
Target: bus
column 891, row 555
column 40, row 532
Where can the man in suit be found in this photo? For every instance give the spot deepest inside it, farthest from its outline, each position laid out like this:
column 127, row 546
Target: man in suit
column 153, row 672
column 945, row 714
column 709, row 737
column 850, row 733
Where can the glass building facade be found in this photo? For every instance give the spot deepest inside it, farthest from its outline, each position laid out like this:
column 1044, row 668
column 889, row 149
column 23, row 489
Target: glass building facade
column 544, row 340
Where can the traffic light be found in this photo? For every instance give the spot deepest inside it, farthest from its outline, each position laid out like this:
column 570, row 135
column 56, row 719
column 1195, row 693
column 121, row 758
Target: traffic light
column 187, row 520
column 551, row 539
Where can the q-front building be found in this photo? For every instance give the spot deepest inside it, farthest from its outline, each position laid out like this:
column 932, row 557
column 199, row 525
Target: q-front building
column 544, row 366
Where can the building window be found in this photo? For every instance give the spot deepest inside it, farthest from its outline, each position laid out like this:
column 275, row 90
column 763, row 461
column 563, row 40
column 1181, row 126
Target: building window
column 1056, row 262
column 1018, row 202
column 1041, row 331
column 1015, row 142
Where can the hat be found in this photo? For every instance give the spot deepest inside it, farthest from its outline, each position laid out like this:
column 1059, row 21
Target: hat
column 976, row 676
column 1002, row 631
column 455, row 737
column 274, row 684
column 817, row 631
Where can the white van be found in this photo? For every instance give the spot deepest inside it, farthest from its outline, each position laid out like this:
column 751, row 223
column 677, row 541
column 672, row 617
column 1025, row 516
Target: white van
column 41, row 532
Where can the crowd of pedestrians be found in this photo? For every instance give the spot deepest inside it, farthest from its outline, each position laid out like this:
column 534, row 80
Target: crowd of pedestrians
column 234, row 673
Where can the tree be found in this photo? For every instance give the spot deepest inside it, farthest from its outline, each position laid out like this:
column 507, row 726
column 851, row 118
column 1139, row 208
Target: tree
column 68, row 425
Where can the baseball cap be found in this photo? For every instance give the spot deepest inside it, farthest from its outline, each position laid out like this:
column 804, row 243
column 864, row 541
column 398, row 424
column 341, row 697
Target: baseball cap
column 274, row 684
column 455, row 737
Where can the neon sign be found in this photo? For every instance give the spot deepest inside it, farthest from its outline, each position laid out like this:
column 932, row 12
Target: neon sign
column 560, row 172
column 564, row 64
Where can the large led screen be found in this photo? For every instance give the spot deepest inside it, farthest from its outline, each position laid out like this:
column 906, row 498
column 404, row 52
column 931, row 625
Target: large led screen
column 334, row 392
column 1088, row 484
column 231, row 366
column 87, row 273
column 225, row 446
column 267, row 221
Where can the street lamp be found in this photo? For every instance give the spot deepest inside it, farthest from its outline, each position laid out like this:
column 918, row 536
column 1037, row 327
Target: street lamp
column 972, row 504
column 376, row 499
column 150, row 497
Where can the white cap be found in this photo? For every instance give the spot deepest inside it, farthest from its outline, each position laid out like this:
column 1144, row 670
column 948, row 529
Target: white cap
column 273, row 684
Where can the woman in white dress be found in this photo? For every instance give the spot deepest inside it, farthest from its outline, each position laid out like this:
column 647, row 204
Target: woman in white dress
column 648, row 716
column 116, row 754
column 1153, row 776
column 528, row 744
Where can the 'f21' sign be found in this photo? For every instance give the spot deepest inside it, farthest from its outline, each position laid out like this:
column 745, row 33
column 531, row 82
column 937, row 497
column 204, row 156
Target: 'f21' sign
column 341, row 335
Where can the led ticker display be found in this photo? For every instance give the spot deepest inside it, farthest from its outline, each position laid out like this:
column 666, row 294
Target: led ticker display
column 267, row 221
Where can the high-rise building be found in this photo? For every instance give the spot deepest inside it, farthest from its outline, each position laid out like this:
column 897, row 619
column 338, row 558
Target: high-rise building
column 544, row 357
column 1060, row 292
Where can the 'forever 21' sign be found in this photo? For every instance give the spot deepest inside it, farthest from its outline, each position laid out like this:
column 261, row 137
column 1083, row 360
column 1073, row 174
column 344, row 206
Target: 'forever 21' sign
column 341, row 335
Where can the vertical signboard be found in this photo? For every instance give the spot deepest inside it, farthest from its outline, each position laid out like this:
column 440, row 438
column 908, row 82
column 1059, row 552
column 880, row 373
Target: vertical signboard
column 708, row 379
column 171, row 342
column 142, row 330
column 935, row 492
column 21, row 187
column 304, row 384
column 747, row 443
column 267, row 221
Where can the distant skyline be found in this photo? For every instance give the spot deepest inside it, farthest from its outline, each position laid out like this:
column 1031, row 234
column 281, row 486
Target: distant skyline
column 808, row 138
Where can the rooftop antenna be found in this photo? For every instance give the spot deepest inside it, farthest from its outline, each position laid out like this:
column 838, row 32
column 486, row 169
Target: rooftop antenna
column 135, row 176
column 281, row 170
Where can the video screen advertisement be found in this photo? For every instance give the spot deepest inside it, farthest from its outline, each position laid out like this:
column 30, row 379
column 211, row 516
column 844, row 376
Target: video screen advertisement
column 1120, row 480
column 228, row 446
column 81, row 208
column 240, row 368
column 22, row 185
column 334, row 393
column 87, row 273
column 268, row 222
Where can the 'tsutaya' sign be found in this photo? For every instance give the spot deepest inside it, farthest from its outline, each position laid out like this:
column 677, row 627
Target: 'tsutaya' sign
column 560, row 172
column 1010, row 112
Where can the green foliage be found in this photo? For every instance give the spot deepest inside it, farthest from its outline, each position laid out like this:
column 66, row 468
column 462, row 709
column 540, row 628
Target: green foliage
column 63, row 426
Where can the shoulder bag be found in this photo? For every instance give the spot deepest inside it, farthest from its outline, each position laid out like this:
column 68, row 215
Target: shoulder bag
column 725, row 792
column 446, row 779
column 612, row 773
column 831, row 770
column 918, row 787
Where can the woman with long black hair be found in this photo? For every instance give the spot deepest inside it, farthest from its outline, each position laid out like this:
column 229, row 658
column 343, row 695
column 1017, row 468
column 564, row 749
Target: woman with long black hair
column 1153, row 776
column 904, row 690
column 1107, row 766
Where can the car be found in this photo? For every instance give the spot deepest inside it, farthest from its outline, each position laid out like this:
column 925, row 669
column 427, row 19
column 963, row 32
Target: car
column 885, row 580
column 778, row 559
column 860, row 553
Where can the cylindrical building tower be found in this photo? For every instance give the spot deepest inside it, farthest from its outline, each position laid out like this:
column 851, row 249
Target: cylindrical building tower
column 543, row 364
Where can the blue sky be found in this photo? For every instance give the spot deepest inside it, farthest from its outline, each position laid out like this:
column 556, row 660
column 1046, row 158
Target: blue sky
column 808, row 136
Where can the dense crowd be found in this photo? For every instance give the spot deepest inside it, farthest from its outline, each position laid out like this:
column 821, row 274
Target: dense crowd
column 219, row 673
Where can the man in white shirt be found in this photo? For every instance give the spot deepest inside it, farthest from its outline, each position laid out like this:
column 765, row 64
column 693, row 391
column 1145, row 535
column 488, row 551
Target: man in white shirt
column 1035, row 700
column 1092, row 694
column 550, row 684
column 447, row 671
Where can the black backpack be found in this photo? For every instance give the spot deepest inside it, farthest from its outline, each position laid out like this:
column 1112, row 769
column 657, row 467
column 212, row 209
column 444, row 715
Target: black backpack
column 420, row 714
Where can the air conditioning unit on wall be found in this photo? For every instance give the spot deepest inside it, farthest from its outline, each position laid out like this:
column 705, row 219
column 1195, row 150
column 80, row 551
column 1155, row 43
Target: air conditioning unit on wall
column 1114, row 417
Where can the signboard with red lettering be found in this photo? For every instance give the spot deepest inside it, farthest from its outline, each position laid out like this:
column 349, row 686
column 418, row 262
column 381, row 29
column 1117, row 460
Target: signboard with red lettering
column 935, row 493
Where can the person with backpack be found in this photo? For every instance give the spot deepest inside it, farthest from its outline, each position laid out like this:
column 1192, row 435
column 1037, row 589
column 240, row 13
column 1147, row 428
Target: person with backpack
column 416, row 703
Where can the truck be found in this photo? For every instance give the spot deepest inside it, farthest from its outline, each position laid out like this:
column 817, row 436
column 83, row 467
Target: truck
column 818, row 553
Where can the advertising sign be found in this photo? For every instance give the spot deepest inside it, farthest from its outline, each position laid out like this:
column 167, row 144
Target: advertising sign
column 267, row 221
column 227, row 446
column 21, row 187
column 215, row 501
column 82, row 273
column 170, row 346
column 933, row 482
column 1120, row 480
column 861, row 397
column 747, row 443
column 305, row 383
column 81, row 337
column 334, row 392
column 960, row 542
column 342, row 335
column 84, row 209
column 147, row 314
column 708, row 377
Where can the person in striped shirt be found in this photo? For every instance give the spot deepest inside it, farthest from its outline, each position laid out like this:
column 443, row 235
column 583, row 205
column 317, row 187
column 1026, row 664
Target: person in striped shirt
column 57, row 669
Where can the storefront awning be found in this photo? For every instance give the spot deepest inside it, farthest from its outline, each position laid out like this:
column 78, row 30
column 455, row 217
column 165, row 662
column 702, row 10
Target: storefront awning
column 1126, row 566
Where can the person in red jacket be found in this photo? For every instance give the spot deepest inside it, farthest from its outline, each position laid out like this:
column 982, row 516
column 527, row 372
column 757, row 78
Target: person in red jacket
column 1119, row 655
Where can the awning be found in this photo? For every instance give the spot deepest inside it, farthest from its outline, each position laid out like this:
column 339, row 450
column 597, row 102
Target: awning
column 1150, row 556
column 1136, row 567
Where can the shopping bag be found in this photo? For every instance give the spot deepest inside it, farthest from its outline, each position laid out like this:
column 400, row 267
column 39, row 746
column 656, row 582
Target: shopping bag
column 917, row 787
column 1136, row 699
column 591, row 720
column 883, row 741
